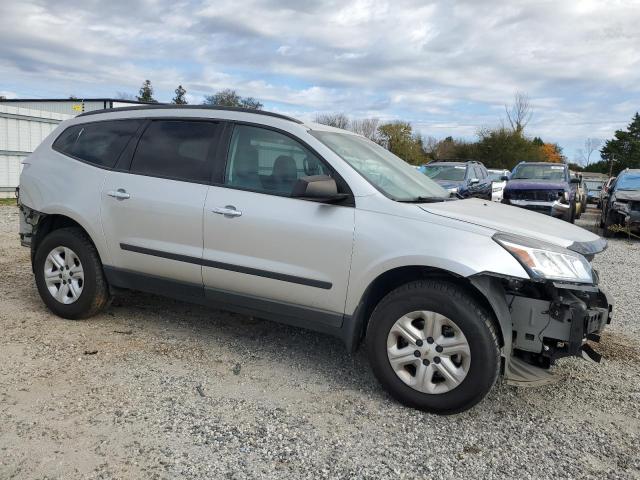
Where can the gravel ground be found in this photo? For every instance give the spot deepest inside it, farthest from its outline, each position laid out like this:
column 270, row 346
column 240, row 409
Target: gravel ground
column 154, row 388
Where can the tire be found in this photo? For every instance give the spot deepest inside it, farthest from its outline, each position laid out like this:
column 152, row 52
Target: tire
column 454, row 303
column 572, row 214
column 92, row 287
column 606, row 233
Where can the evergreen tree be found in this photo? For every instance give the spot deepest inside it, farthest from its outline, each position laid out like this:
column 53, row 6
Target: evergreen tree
column 624, row 148
column 179, row 98
column 146, row 93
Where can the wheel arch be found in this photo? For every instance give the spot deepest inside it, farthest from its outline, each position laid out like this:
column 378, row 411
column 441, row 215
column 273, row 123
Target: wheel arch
column 50, row 222
column 395, row 277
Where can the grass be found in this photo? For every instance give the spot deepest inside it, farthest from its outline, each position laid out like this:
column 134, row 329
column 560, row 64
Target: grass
column 7, row 201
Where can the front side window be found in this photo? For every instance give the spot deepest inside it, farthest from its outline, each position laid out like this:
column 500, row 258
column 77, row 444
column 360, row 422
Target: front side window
column 99, row 143
column 389, row 174
column 176, row 149
column 267, row 161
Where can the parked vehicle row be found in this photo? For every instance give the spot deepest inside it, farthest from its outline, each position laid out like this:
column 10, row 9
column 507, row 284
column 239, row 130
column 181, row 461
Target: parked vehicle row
column 464, row 179
column 319, row 228
column 544, row 188
column 621, row 203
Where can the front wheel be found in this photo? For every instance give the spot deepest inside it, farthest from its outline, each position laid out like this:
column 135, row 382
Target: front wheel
column 433, row 347
column 69, row 274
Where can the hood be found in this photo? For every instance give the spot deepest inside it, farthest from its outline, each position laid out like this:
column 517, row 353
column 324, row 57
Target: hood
column 631, row 195
column 519, row 221
column 530, row 184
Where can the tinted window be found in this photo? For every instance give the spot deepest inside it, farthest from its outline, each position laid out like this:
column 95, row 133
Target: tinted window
column 176, row 149
column 100, row 143
column 268, row 161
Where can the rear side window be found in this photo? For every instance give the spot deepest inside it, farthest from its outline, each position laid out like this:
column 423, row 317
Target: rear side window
column 177, row 149
column 99, row 143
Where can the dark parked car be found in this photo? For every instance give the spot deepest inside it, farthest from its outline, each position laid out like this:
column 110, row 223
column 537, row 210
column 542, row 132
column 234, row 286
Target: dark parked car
column 466, row 179
column 594, row 188
column 622, row 205
column 544, row 188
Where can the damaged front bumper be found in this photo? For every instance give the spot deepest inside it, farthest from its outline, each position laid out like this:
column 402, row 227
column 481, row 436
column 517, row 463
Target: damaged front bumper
column 559, row 325
column 553, row 208
column 544, row 321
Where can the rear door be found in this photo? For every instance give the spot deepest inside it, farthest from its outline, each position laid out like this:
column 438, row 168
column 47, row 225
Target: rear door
column 152, row 214
column 263, row 247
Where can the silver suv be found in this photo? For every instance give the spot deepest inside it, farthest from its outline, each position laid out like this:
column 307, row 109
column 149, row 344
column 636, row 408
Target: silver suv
column 315, row 227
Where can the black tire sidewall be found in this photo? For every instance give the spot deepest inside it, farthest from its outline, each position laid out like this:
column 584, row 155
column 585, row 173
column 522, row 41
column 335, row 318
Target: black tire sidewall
column 483, row 347
column 67, row 238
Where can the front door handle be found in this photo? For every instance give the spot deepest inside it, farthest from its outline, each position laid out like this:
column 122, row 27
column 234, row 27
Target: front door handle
column 229, row 211
column 120, row 194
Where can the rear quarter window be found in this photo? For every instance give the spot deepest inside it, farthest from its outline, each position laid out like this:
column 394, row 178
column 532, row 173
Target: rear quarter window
column 98, row 143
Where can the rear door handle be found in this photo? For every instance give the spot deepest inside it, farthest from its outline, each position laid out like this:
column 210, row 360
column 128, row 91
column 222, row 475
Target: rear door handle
column 120, row 194
column 229, row 211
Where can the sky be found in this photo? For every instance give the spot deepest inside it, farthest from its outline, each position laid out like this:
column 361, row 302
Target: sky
column 447, row 67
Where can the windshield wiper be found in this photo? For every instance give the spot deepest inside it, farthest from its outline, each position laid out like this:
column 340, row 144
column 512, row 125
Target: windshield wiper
column 425, row 200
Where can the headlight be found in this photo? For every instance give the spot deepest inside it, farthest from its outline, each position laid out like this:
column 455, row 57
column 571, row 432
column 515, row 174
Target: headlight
column 544, row 261
column 453, row 190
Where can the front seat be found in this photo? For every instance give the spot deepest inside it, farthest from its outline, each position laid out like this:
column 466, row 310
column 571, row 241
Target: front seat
column 284, row 175
column 245, row 169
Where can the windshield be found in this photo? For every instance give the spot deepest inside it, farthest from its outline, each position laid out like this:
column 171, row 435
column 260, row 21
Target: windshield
column 454, row 173
column 630, row 181
column 594, row 185
column 388, row 173
column 539, row 172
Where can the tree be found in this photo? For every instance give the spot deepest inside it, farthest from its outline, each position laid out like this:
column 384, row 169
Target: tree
column 398, row 138
column 146, row 93
column 125, row 96
column 505, row 148
column 623, row 151
column 552, row 153
column 367, row 127
column 519, row 113
column 338, row 120
column 2, row 97
column 590, row 146
column 73, row 97
column 179, row 98
column 229, row 98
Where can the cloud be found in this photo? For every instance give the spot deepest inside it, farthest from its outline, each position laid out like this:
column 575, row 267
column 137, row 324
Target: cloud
column 448, row 67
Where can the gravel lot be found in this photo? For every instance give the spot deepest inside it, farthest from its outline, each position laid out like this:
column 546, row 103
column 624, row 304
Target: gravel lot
column 154, row 388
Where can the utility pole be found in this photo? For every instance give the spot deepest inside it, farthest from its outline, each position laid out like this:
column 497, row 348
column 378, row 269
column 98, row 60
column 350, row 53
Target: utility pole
column 611, row 164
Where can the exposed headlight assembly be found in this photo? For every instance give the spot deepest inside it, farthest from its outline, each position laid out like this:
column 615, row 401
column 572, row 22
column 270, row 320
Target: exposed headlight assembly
column 544, row 261
column 622, row 206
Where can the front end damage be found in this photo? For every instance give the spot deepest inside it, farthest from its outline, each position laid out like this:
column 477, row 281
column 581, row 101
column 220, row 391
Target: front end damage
column 544, row 321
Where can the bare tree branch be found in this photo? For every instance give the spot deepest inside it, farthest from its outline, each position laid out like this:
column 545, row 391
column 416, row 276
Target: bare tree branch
column 519, row 113
column 338, row 120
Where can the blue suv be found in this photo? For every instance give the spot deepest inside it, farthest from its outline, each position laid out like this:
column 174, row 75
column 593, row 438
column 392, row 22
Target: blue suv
column 466, row 179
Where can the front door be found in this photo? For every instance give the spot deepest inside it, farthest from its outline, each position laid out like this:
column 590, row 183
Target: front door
column 266, row 246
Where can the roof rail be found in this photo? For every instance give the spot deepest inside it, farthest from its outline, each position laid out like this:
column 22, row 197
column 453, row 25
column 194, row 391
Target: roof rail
column 191, row 107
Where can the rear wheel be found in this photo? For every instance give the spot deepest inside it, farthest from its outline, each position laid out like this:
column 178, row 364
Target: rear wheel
column 69, row 274
column 433, row 347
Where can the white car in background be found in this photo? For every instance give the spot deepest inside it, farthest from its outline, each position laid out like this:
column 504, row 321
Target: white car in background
column 498, row 184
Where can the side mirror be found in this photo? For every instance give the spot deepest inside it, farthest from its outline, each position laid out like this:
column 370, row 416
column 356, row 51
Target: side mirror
column 574, row 180
column 504, row 178
column 317, row 188
column 473, row 181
